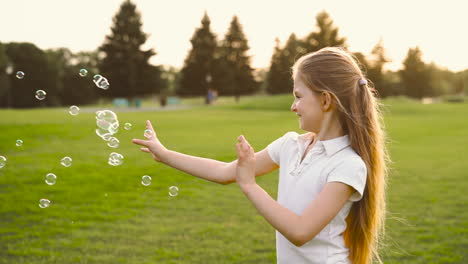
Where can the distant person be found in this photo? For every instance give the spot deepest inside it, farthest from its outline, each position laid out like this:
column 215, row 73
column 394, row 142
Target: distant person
column 331, row 192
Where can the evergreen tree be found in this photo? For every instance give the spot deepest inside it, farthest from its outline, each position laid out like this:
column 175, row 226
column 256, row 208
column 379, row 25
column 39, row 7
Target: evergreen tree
column 39, row 75
column 234, row 74
column 325, row 35
column 125, row 64
column 376, row 72
column 197, row 72
column 280, row 75
column 5, row 69
column 415, row 75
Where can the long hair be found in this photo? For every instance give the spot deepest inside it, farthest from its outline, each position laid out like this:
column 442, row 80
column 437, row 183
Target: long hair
column 335, row 71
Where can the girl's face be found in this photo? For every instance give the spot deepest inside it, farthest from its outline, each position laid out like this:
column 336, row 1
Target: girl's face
column 307, row 107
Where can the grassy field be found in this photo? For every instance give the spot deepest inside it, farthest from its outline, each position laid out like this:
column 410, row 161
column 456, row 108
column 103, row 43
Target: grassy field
column 103, row 214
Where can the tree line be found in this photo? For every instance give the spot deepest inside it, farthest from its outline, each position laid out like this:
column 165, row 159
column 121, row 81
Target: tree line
column 222, row 64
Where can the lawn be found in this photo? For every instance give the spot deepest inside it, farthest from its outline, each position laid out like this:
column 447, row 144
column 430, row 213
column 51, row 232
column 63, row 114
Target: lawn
column 103, row 214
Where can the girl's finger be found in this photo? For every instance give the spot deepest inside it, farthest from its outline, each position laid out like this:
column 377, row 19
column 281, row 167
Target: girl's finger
column 148, row 125
column 145, row 150
column 140, row 142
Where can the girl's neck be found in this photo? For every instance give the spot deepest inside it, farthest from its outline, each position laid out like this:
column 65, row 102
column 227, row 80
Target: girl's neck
column 330, row 128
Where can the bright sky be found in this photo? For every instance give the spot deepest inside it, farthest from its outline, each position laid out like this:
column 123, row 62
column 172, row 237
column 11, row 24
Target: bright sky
column 439, row 28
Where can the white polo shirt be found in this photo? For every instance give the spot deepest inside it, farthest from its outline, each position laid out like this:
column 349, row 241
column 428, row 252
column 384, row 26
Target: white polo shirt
column 299, row 184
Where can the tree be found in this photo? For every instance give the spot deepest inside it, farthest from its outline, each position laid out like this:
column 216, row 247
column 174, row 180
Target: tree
column 234, row 74
column 325, row 35
column 124, row 63
column 74, row 89
column 376, row 72
column 415, row 75
column 279, row 78
column 39, row 75
column 5, row 67
column 196, row 75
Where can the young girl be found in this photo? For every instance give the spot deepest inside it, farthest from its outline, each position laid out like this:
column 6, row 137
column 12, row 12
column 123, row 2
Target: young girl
column 331, row 192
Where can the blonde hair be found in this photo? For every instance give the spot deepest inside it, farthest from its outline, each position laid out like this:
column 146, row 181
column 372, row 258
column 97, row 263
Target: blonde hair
column 335, row 71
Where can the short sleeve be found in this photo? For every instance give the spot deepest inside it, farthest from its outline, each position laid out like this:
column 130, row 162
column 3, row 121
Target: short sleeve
column 353, row 172
column 274, row 148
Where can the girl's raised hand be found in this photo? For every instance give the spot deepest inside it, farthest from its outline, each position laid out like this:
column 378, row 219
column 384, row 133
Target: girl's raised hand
column 245, row 162
column 152, row 144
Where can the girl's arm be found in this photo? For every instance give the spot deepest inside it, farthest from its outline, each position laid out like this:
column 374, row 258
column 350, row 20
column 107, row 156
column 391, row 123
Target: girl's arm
column 208, row 169
column 298, row 229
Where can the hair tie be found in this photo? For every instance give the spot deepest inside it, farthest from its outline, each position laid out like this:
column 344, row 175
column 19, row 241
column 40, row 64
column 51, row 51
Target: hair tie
column 362, row 82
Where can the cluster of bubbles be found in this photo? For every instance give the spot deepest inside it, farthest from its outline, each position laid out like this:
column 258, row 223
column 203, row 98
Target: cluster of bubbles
column 115, row 159
column 101, row 82
column 108, row 125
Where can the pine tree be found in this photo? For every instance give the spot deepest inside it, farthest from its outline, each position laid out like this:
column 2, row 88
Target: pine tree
column 415, row 75
column 280, row 75
column 5, row 67
column 234, row 74
column 325, row 35
column 198, row 67
column 376, row 72
column 125, row 64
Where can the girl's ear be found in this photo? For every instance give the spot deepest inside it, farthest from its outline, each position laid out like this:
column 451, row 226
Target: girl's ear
column 326, row 101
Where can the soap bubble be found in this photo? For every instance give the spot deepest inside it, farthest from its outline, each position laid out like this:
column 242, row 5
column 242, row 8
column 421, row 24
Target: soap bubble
column 66, row 161
column 50, row 178
column 44, row 203
column 101, row 82
column 74, row 110
column 128, row 126
column 107, row 124
column 115, row 159
column 148, row 133
column 20, row 75
column 173, row 191
column 83, row 72
column 146, row 180
column 40, row 95
column 19, row 142
column 2, row 161
column 113, row 142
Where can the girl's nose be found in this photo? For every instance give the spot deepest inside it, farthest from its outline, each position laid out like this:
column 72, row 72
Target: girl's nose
column 293, row 107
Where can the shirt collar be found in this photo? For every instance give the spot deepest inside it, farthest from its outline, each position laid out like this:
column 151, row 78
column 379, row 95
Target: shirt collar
column 331, row 146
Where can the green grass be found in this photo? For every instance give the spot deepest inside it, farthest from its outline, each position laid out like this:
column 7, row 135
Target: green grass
column 102, row 214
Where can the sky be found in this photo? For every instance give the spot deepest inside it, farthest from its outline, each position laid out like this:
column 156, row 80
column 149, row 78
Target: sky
column 439, row 28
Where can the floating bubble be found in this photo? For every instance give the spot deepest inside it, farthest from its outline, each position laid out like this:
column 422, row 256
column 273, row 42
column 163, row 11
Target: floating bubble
column 20, row 75
column 148, row 133
column 114, row 127
column 44, row 203
column 105, row 195
column 128, row 126
column 104, row 134
column 115, row 159
column 2, row 161
column 74, row 110
column 83, row 72
column 50, row 179
column 101, row 82
column 40, row 95
column 146, row 180
column 19, row 142
column 173, row 191
column 66, row 161
column 113, row 142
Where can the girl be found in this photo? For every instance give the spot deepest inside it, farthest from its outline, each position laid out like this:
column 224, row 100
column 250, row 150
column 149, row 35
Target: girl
column 331, row 192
